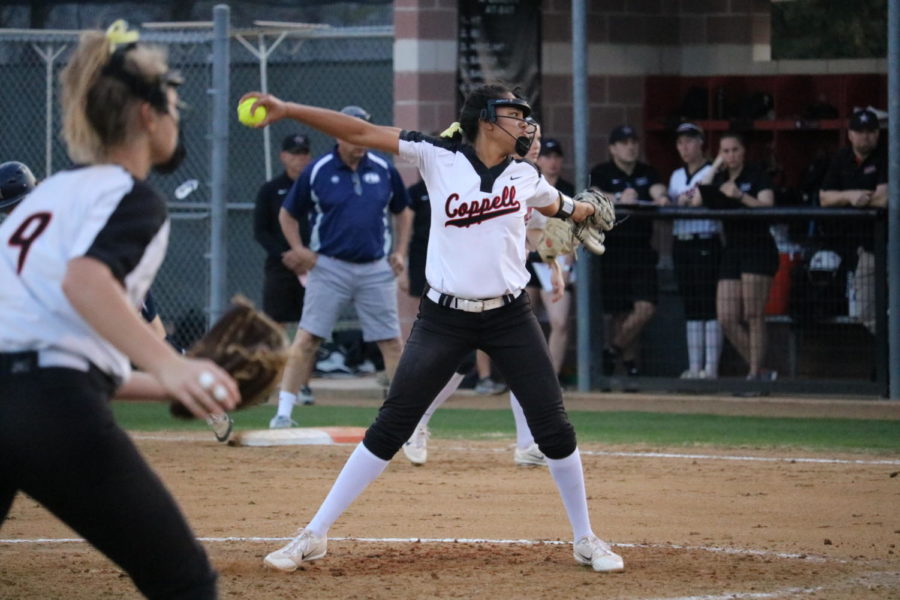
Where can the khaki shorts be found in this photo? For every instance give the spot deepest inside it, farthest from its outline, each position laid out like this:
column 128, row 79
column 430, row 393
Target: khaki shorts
column 370, row 287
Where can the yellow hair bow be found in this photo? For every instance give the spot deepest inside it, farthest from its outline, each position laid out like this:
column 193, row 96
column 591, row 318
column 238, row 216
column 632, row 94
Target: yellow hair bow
column 118, row 34
column 452, row 130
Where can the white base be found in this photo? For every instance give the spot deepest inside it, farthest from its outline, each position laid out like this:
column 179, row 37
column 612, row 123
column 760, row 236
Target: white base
column 297, row 436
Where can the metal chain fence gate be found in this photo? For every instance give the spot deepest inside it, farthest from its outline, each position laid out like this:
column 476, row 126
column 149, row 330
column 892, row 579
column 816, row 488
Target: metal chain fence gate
column 324, row 66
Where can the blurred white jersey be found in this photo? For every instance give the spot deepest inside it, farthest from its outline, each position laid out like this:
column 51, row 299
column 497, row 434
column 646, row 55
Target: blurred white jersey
column 100, row 212
column 476, row 248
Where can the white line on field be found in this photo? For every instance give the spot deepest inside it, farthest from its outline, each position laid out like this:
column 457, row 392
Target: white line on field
column 670, row 455
column 413, row 540
column 679, row 456
column 748, row 595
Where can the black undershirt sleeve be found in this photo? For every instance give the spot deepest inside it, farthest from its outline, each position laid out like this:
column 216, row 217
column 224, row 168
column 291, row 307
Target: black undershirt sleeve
column 128, row 231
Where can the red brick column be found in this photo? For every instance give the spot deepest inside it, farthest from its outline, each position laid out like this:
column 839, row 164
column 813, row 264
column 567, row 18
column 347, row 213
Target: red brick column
column 425, row 51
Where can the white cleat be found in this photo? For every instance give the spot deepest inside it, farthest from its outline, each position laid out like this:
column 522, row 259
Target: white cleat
column 591, row 550
column 282, row 422
column 306, row 547
column 530, row 457
column 416, row 448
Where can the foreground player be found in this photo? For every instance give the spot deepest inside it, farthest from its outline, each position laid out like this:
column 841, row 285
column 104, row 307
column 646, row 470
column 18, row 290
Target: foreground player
column 76, row 259
column 476, row 272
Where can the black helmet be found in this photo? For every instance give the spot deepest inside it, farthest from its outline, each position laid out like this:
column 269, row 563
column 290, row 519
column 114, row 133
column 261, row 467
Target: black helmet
column 16, row 180
column 357, row 111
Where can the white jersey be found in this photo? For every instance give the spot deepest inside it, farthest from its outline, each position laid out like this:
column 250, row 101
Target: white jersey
column 476, row 248
column 98, row 211
column 681, row 182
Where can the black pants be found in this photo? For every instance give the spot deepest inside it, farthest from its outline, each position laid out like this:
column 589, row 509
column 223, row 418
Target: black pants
column 440, row 338
column 60, row 445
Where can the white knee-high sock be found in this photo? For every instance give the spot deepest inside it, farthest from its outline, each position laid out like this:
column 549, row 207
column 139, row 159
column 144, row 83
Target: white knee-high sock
column 713, row 347
column 361, row 469
column 523, row 433
column 695, row 345
column 447, row 391
column 569, row 478
column 286, row 402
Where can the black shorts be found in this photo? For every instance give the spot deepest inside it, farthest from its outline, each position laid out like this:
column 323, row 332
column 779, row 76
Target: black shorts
column 757, row 257
column 697, row 271
column 60, row 445
column 439, row 340
column 628, row 275
column 282, row 293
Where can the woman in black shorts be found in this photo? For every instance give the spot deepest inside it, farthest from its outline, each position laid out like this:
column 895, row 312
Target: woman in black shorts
column 76, row 260
column 750, row 256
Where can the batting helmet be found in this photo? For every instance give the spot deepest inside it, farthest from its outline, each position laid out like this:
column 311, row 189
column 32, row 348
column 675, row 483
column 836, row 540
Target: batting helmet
column 16, row 180
column 357, row 111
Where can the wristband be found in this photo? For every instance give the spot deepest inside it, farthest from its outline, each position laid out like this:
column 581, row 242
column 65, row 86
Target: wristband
column 566, row 207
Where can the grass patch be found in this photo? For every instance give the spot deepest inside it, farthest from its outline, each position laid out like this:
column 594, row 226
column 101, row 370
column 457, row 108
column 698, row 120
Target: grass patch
column 605, row 427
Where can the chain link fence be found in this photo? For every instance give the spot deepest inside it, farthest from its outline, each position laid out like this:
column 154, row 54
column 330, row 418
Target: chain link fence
column 324, row 66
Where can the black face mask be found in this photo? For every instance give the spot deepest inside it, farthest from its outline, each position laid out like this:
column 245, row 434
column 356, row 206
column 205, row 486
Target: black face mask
column 523, row 144
column 175, row 160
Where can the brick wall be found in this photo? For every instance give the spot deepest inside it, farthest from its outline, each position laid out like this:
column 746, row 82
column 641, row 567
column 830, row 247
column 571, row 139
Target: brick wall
column 425, row 34
column 629, row 39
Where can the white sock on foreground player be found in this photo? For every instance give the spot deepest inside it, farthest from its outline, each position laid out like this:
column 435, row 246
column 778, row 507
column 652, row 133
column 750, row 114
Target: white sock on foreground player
column 363, row 467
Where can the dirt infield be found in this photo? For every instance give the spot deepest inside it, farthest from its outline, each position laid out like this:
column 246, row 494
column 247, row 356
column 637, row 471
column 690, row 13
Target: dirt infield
column 699, row 523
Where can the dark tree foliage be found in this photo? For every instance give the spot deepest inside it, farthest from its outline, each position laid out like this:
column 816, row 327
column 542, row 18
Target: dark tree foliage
column 829, row 29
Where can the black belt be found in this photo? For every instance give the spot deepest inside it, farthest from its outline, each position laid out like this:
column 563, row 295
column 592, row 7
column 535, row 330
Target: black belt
column 29, row 361
column 16, row 363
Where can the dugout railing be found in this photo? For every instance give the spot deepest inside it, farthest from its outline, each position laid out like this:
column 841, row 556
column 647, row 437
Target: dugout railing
column 814, row 351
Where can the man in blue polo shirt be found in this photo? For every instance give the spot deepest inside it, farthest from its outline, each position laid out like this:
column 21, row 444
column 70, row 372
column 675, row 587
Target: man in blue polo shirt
column 346, row 195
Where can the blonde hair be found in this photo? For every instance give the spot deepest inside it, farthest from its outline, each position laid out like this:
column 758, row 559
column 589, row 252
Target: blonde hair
column 98, row 108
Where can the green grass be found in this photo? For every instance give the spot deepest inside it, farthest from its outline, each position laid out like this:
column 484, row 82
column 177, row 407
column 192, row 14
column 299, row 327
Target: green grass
column 606, row 427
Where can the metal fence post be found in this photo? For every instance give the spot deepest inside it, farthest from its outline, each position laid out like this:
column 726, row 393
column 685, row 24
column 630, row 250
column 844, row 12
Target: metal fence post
column 893, row 266
column 218, row 255
column 580, row 125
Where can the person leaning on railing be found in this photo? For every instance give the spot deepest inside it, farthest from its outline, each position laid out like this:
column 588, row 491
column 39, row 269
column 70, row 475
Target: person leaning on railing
column 857, row 177
column 750, row 256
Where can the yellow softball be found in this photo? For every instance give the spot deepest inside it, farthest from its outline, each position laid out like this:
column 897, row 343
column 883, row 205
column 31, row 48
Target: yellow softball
column 246, row 117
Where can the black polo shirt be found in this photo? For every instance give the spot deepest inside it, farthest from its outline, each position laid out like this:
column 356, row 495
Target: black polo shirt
column 610, row 178
column 847, row 173
column 751, row 180
column 266, row 228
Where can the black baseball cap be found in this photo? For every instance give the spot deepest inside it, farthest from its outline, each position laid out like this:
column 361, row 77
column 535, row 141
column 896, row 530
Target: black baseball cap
column 296, row 143
column 357, row 111
column 690, row 130
column 864, row 120
column 549, row 146
column 622, row 133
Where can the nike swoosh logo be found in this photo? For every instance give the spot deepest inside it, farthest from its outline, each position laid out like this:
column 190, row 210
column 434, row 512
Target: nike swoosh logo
column 282, row 192
column 514, row 178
